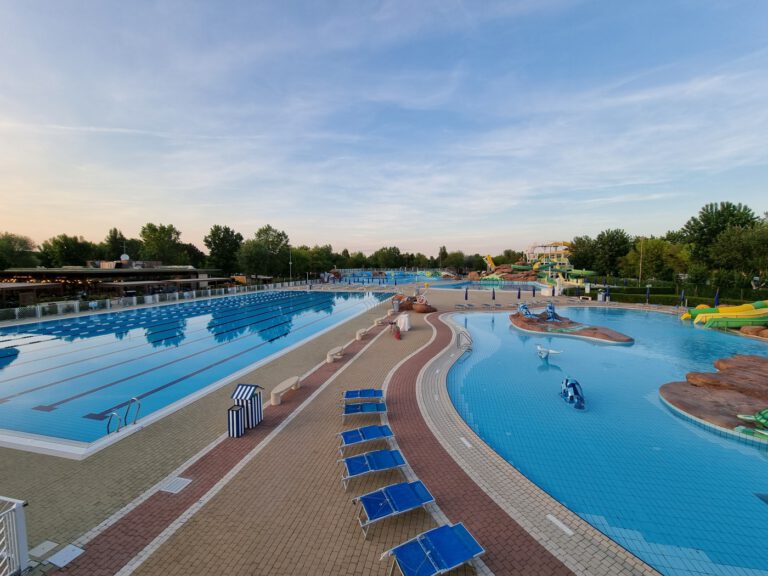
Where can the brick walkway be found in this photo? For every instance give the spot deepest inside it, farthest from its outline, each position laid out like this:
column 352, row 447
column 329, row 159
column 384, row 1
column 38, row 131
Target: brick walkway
column 509, row 548
column 285, row 512
column 117, row 545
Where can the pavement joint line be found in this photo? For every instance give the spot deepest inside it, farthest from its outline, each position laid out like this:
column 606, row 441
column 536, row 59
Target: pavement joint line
column 161, row 538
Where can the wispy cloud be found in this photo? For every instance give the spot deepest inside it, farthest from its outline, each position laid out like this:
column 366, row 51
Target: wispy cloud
column 415, row 124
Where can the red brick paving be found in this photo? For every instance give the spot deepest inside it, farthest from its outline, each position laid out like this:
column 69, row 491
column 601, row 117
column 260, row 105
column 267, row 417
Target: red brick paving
column 509, row 548
column 108, row 552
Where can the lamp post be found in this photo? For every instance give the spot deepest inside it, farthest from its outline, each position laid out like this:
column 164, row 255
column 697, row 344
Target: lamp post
column 290, row 264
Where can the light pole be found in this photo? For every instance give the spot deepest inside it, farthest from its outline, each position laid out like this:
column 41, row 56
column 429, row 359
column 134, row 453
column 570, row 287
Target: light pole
column 290, row 264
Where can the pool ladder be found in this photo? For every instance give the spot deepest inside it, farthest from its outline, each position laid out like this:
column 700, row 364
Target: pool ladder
column 464, row 341
column 123, row 421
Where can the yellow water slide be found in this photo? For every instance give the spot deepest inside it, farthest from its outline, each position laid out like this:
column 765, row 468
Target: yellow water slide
column 489, row 261
column 731, row 316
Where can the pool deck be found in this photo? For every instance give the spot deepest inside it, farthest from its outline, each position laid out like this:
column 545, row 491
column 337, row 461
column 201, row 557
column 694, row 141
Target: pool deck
column 272, row 502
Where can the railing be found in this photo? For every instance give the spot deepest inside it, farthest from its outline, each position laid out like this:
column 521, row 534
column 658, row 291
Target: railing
column 77, row 306
column 14, row 555
column 464, row 341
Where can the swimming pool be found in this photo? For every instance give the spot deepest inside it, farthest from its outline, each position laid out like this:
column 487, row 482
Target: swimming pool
column 64, row 378
column 684, row 499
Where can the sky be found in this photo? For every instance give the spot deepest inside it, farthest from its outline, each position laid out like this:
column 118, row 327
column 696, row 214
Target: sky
column 480, row 126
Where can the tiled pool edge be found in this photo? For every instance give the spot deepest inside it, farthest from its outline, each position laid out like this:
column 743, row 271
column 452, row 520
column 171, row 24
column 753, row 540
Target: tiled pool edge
column 585, row 551
column 74, row 450
column 718, row 430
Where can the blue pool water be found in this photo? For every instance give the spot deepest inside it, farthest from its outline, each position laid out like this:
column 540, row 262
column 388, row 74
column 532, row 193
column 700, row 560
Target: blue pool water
column 64, row 378
column 682, row 498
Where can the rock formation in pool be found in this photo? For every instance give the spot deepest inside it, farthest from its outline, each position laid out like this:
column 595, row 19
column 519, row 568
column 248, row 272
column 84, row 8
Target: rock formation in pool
column 551, row 323
column 740, row 386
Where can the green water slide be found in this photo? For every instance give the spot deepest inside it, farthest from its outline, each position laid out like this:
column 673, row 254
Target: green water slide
column 736, row 322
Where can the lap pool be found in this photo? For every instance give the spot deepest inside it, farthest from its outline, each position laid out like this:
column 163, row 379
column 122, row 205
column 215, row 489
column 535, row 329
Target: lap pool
column 62, row 379
column 682, row 498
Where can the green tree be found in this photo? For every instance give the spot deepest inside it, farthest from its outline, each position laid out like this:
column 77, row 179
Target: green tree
column 267, row 253
column 421, row 261
column 192, row 255
column 442, row 256
column 387, row 257
column 358, row 260
column 321, row 259
column 582, row 253
column 661, row 259
column 162, row 242
column 454, row 260
column 300, row 257
column 741, row 252
column 223, row 244
column 16, row 251
column 63, row 250
column 701, row 231
column 610, row 246
column 113, row 246
column 474, row 262
column 508, row 257
column 344, row 259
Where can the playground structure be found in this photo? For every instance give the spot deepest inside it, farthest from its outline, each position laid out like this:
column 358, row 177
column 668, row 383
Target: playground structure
column 547, row 262
column 754, row 314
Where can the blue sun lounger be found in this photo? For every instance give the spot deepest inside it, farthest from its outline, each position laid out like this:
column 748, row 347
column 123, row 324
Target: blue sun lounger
column 363, row 435
column 436, row 551
column 371, row 394
column 364, row 408
column 391, row 501
column 376, row 461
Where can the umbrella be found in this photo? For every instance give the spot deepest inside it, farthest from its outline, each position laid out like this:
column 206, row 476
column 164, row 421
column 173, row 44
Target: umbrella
column 518, row 292
column 682, row 296
column 534, row 291
column 493, row 293
column 607, row 293
column 466, row 293
column 717, row 297
column 647, row 294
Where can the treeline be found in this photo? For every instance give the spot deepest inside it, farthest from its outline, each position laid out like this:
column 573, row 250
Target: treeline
column 268, row 252
column 725, row 244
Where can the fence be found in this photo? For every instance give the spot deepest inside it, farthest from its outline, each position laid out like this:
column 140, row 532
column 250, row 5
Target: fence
column 14, row 555
column 77, row 306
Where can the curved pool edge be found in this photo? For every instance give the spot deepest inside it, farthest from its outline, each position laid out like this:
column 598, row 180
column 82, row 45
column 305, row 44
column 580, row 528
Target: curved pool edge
column 713, row 428
column 573, row 541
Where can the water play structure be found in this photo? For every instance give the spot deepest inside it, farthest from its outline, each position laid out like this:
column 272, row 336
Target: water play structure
column 570, row 391
column 754, row 314
column 545, row 353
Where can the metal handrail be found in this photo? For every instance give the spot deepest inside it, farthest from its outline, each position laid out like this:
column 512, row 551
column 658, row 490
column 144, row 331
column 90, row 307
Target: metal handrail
column 119, row 421
column 128, row 409
column 467, row 345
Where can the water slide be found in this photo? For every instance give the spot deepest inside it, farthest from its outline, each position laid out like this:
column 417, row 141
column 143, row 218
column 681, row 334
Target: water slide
column 755, row 314
column 489, row 261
